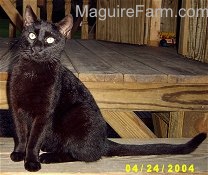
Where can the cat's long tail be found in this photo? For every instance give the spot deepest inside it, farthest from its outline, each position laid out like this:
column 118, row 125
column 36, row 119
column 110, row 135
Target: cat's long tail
column 115, row 149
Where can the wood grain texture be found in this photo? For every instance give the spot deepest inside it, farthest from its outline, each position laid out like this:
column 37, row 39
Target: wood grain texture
column 155, row 25
column 175, row 129
column 32, row 3
column 127, row 124
column 12, row 13
column 12, row 28
column 195, row 122
column 193, row 34
column 169, row 23
column 85, row 26
column 161, row 124
column 114, row 165
column 49, row 6
column 127, row 77
column 118, row 26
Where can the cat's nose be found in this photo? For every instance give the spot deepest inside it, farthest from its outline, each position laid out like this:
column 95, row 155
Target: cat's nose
column 37, row 47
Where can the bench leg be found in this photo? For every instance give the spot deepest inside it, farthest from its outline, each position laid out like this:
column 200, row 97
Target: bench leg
column 127, row 124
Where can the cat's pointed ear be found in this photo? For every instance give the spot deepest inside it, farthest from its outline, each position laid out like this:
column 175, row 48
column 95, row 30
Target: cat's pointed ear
column 65, row 26
column 30, row 16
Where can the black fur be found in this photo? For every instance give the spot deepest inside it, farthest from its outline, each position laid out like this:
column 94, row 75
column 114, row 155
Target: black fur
column 54, row 112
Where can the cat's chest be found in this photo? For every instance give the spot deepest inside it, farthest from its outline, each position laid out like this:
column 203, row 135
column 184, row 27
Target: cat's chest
column 32, row 84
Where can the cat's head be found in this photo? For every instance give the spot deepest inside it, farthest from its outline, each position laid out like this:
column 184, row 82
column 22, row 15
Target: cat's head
column 41, row 40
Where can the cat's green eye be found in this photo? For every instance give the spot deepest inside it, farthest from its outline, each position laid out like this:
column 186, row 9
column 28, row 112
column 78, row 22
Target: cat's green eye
column 32, row 36
column 50, row 40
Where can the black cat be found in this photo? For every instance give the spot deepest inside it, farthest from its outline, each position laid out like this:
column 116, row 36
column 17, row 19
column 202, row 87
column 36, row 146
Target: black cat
column 54, row 112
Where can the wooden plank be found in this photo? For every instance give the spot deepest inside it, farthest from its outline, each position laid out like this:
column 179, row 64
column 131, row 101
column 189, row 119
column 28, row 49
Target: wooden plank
column 176, row 124
column 3, row 95
column 67, row 63
column 132, row 70
column 193, row 33
column 101, row 27
column 12, row 13
column 169, row 23
column 89, row 66
column 12, row 29
column 67, row 7
column 187, row 124
column 143, row 97
column 195, row 122
column 85, row 26
column 127, row 124
column 118, row 27
column 150, row 97
column 32, row 3
column 161, row 124
column 155, row 25
column 178, row 70
column 114, row 165
column 49, row 6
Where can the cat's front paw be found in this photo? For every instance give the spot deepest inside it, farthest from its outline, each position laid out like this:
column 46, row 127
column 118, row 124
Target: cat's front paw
column 32, row 166
column 17, row 156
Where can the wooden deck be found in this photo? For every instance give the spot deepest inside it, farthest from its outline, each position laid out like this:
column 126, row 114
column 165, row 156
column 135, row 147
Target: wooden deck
column 175, row 83
column 116, row 165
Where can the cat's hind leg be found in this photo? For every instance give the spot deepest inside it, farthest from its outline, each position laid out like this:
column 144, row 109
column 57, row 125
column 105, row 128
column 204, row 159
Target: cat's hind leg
column 48, row 158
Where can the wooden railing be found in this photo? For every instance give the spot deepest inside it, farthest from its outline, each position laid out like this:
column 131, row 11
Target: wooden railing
column 9, row 6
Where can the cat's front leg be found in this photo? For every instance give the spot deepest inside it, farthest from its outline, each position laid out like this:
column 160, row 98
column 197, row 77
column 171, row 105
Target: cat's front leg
column 20, row 137
column 35, row 141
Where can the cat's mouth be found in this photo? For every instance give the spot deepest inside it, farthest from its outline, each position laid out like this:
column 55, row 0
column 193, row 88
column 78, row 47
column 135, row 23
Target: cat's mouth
column 41, row 56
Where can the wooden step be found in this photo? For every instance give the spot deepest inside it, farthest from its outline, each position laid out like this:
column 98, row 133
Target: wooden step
column 196, row 162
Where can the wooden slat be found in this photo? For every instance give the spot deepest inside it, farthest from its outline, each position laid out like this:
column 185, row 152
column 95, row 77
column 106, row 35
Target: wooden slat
column 127, row 124
column 132, row 70
column 114, row 165
column 12, row 28
column 123, row 28
column 193, row 32
column 101, row 27
column 32, row 3
column 195, row 122
column 155, row 25
column 169, row 23
column 85, row 26
column 161, row 124
column 89, row 66
column 143, row 97
column 150, row 97
column 12, row 13
column 178, row 70
column 176, row 124
column 67, row 7
column 49, row 6
column 67, row 63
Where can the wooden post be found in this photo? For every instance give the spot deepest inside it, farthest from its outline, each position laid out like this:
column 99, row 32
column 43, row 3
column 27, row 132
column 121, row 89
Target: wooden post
column 49, row 10
column 85, row 21
column 184, row 30
column 155, row 25
column 176, row 124
column 12, row 28
column 32, row 3
column 67, row 7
